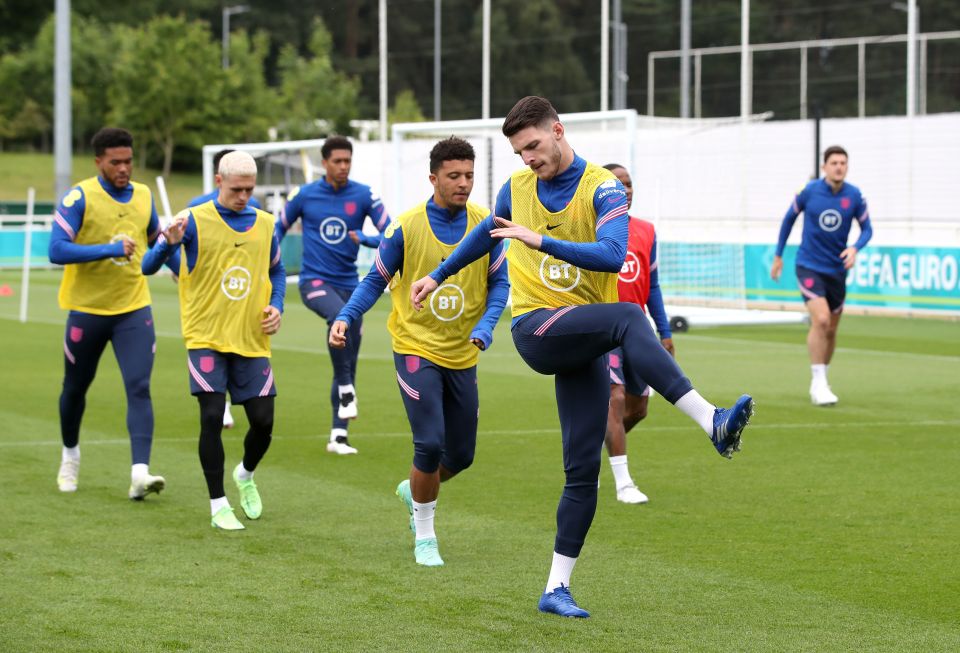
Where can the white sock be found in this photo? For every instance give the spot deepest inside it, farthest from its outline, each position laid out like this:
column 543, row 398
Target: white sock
column 336, row 433
column 621, row 473
column 344, row 389
column 70, row 453
column 423, row 519
column 560, row 572
column 217, row 504
column 819, row 373
column 242, row 472
column 139, row 471
column 698, row 409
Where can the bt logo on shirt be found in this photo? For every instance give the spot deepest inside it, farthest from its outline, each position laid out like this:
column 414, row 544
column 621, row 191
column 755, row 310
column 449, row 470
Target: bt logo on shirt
column 830, row 220
column 559, row 275
column 333, row 230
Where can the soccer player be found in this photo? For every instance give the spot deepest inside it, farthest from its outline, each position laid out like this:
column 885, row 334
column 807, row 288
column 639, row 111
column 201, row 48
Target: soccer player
column 638, row 283
column 203, row 199
column 568, row 219
column 830, row 206
column 333, row 209
column 435, row 352
column 100, row 232
column 232, row 285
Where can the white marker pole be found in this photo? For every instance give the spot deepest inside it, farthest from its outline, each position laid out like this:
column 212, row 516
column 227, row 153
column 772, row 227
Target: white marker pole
column 27, row 245
column 165, row 201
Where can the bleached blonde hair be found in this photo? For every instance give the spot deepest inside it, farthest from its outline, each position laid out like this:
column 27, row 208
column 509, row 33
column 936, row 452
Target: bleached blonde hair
column 237, row 164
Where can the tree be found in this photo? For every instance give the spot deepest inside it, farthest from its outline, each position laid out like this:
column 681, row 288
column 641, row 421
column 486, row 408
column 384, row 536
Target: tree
column 168, row 85
column 405, row 108
column 312, row 90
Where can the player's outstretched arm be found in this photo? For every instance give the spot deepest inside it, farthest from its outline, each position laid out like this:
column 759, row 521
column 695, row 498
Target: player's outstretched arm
column 420, row 290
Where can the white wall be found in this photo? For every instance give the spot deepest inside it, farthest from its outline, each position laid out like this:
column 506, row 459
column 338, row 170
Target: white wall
column 733, row 182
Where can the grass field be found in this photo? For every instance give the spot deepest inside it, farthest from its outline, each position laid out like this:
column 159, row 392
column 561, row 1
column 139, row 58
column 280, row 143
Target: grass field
column 20, row 170
column 833, row 530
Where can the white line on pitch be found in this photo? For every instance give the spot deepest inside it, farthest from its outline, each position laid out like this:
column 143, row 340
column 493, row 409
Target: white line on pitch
column 482, row 432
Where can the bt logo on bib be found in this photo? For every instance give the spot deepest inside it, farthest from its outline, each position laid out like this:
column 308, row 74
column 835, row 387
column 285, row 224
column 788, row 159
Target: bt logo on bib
column 631, row 268
column 235, row 283
column 446, row 302
column 559, row 275
column 830, row 220
column 333, row 230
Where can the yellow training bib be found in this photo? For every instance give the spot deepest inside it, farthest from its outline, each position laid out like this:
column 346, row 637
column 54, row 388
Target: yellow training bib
column 114, row 285
column 538, row 280
column 222, row 299
column 441, row 331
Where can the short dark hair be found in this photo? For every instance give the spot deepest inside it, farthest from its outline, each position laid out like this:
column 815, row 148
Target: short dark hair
column 335, row 143
column 216, row 159
column 614, row 166
column 834, row 149
column 531, row 111
column 450, row 149
column 110, row 137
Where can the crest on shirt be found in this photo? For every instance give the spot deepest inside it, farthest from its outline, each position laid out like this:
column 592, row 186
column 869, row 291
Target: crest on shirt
column 844, row 202
column 350, row 207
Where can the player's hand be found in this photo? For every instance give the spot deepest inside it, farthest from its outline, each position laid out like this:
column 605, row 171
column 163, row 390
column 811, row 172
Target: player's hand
column 174, row 232
column 271, row 323
column 419, row 291
column 338, row 334
column 507, row 229
column 849, row 256
column 129, row 246
column 478, row 343
column 776, row 268
column 354, row 237
column 668, row 345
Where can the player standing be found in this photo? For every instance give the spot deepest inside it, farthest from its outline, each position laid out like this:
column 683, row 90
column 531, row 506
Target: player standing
column 830, row 207
column 203, row 199
column 435, row 352
column 333, row 209
column 232, row 284
column 100, row 232
column 639, row 282
column 569, row 218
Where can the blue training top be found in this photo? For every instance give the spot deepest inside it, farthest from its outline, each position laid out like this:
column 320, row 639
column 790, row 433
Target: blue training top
column 244, row 220
column 827, row 218
column 605, row 255
column 449, row 229
column 328, row 216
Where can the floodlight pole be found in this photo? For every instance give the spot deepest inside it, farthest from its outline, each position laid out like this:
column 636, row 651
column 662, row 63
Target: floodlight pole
column 383, row 69
column 225, row 25
column 436, row 59
column 684, row 58
column 746, row 73
column 62, row 111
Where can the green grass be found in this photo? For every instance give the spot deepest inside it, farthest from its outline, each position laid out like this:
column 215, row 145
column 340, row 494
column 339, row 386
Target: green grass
column 834, row 529
column 20, row 170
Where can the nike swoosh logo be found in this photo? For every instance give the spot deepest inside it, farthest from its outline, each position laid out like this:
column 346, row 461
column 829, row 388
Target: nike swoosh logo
column 553, row 226
column 237, row 244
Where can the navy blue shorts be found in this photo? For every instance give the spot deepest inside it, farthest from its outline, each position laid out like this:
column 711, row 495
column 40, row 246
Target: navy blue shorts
column 619, row 375
column 443, row 408
column 815, row 284
column 244, row 377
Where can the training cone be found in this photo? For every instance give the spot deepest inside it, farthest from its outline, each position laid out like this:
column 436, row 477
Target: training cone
column 6, row 290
